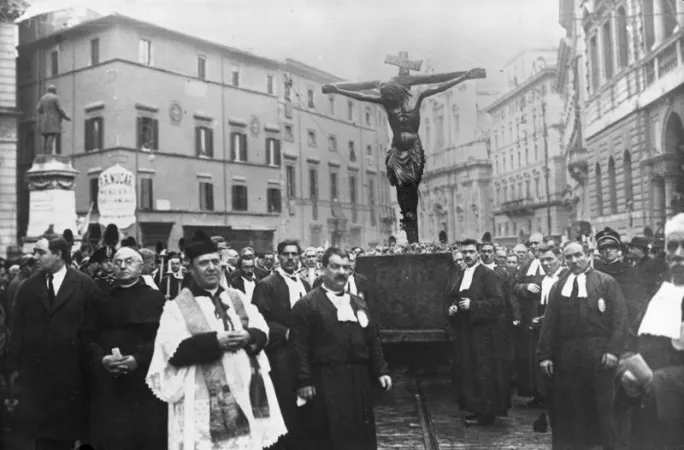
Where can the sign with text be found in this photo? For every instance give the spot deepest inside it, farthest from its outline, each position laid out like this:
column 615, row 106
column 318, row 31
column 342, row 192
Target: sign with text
column 116, row 198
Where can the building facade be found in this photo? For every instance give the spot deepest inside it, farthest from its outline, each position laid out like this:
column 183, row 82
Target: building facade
column 9, row 12
column 212, row 134
column 528, row 167
column 456, row 193
column 633, row 55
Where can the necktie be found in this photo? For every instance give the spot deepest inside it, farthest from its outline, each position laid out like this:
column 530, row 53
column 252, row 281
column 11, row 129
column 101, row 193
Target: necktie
column 51, row 289
column 575, row 289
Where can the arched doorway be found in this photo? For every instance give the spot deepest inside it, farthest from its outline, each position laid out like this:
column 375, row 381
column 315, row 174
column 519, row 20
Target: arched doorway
column 674, row 147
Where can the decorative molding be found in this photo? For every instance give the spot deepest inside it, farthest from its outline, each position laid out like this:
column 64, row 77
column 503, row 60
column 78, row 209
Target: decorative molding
column 272, row 128
column 274, row 182
column 92, row 107
column 201, row 115
column 334, row 164
column 236, row 122
column 205, row 175
column 239, row 179
column 145, row 107
column 146, row 170
column 290, row 156
column 313, row 160
column 94, row 170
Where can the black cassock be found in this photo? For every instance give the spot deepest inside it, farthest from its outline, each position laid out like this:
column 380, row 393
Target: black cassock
column 482, row 356
column 123, row 411
column 171, row 285
column 342, row 360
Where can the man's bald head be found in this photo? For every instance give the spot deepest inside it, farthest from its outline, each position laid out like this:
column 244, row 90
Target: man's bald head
column 127, row 263
column 232, row 257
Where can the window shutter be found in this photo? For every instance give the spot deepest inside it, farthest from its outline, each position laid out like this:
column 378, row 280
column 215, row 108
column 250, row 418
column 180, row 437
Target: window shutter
column 243, row 146
column 210, row 142
column 139, row 132
column 202, row 198
column 88, row 135
column 155, row 134
column 268, row 151
column 150, row 193
column 233, row 192
column 244, row 197
column 233, row 153
column 276, row 144
column 100, row 134
column 210, row 196
column 198, row 141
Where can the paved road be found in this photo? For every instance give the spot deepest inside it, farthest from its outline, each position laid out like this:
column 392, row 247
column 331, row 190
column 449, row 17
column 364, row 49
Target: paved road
column 399, row 425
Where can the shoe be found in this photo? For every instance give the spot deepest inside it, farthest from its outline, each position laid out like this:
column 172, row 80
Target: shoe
column 482, row 421
column 540, row 425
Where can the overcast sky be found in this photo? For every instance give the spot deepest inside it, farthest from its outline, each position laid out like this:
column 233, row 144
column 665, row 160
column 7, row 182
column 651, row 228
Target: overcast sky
column 350, row 38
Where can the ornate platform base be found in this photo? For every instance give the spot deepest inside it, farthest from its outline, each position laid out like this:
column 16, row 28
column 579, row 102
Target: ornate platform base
column 51, row 182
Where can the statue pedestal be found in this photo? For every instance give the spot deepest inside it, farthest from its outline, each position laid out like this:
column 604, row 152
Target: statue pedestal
column 51, row 181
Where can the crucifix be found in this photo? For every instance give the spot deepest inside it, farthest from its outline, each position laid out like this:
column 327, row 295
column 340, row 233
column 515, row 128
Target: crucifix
column 405, row 158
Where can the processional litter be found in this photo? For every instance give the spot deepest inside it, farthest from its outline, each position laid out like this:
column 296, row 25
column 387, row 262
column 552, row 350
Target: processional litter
column 405, row 158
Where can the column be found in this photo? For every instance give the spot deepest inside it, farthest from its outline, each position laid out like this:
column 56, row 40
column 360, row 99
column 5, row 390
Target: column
column 451, row 202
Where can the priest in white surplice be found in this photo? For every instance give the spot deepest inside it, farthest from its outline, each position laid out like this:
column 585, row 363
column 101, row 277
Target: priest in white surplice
column 209, row 367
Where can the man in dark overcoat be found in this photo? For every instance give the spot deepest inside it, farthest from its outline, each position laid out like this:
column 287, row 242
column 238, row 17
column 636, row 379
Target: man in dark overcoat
column 51, row 114
column 478, row 315
column 47, row 355
column 275, row 296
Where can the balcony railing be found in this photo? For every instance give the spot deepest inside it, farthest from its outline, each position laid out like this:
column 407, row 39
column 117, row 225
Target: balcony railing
column 520, row 206
column 663, row 60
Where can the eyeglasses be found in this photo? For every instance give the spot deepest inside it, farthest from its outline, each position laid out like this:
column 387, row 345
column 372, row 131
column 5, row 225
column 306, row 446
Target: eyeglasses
column 129, row 262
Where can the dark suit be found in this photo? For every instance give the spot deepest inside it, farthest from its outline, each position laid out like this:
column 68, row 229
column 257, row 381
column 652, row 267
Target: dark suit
column 272, row 297
column 481, row 351
column 236, row 281
column 47, row 351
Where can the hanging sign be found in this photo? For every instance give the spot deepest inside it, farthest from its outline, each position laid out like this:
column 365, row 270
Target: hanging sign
column 116, row 198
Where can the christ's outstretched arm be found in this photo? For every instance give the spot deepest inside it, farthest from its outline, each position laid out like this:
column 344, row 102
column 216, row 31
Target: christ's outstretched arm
column 471, row 74
column 351, row 94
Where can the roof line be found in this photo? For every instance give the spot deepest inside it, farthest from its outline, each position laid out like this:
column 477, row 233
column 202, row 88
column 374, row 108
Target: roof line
column 530, row 81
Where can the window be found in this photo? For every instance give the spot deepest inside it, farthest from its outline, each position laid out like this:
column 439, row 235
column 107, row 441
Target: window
column 498, row 196
column 148, row 133
column 627, row 172
column 270, row 85
column 608, row 66
column 94, row 192
column 146, row 194
column 239, row 197
column 311, row 138
column 352, row 198
column 527, row 155
column 334, row 193
column 371, row 200
column 368, row 117
column 598, row 189
column 202, row 67
column 505, row 193
column 369, row 150
column 30, row 144
column 668, row 16
column 204, row 141
column 649, row 23
column 206, row 191
column 313, row 192
column 287, row 89
column 273, row 152
column 94, row 51
column 290, row 180
column 612, row 185
column 236, row 76
column 331, row 105
column 519, row 158
column 273, row 200
column 457, row 120
column 528, row 194
column 289, row 132
column 537, row 187
column 238, row 146
column 310, row 98
column 332, row 143
column 622, row 39
column 94, row 134
column 352, row 151
column 54, row 62
column 594, row 63
column 350, row 110
column 145, row 52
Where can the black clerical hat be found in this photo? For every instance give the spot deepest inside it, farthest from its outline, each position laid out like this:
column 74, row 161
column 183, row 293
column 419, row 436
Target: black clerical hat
column 201, row 244
column 608, row 238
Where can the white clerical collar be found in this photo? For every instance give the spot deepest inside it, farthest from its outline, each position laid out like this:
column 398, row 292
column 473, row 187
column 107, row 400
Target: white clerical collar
column 490, row 265
column 248, row 280
column 581, row 283
column 468, row 276
column 293, row 276
column 663, row 316
column 535, row 266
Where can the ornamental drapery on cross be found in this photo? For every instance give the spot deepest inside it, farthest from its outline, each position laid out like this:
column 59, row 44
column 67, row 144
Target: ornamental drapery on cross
column 405, row 158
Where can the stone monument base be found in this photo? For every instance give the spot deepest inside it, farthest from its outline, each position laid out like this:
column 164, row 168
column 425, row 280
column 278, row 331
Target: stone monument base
column 52, row 204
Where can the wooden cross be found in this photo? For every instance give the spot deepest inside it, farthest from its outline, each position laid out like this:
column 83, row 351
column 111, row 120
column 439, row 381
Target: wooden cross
column 403, row 62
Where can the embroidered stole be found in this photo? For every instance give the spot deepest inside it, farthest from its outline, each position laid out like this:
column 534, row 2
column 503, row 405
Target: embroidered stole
column 227, row 420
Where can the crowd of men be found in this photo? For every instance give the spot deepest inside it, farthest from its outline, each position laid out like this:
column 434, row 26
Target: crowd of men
column 211, row 347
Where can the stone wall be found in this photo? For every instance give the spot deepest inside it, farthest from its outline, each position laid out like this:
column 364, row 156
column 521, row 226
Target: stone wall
column 8, row 138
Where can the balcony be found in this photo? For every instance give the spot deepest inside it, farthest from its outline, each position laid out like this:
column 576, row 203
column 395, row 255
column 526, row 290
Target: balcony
column 520, row 207
column 578, row 162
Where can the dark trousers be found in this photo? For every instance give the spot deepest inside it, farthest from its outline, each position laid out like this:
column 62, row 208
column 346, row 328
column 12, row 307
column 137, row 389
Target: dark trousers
column 54, row 444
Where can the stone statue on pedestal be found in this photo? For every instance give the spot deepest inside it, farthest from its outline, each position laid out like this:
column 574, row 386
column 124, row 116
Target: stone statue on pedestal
column 405, row 159
column 50, row 115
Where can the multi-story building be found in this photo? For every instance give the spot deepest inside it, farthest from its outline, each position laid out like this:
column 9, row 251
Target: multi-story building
column 632, row 54
column 9, row 12
column 456, row 189
column 216, row 137
column 528, row 166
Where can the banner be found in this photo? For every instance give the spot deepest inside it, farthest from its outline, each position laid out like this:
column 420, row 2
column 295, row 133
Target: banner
column 116, row 197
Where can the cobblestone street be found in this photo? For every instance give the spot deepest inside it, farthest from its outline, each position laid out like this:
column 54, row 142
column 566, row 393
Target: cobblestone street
column 399, row 425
